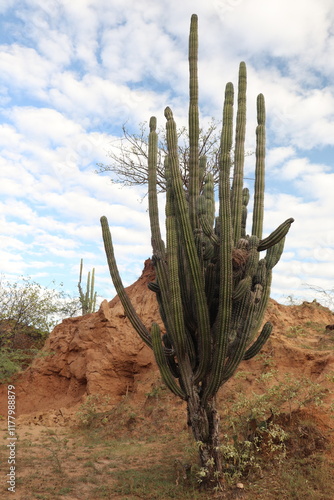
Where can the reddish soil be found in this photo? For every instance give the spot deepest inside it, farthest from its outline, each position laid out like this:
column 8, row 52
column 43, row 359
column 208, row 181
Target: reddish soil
column 101, row 354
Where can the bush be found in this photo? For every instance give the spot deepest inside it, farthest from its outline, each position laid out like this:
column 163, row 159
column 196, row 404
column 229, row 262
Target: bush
column 28, row 312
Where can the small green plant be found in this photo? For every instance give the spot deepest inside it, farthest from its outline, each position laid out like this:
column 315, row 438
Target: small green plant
column 156, row 391
column 239, row 457
column 318, row 327
column 254, row 429
column 269, row 375
column 87, row 299
column 267, row 359
column 330, row 376
column 242, row 374
column 13, row 361
column 295, row 331
column 92, row 409
column 10, row 364
column 332, row 410
column 58, row 450
column 276, row 438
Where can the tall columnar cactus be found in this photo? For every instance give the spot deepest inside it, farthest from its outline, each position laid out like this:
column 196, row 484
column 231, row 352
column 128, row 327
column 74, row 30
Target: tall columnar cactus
column 212, row 282
column 87, row 299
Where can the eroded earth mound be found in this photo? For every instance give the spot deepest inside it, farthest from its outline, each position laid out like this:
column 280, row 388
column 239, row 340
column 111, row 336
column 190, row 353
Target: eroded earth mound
column 101, row 354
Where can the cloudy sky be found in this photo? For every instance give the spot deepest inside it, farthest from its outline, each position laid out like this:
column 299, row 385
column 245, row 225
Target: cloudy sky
column 73, row 72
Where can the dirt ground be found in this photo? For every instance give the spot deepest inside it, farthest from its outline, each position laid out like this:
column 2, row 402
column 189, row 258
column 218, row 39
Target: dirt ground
column 135, row 443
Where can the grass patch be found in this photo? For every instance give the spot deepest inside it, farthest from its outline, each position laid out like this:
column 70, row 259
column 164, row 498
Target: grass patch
column 272, row 445
column 153, row 483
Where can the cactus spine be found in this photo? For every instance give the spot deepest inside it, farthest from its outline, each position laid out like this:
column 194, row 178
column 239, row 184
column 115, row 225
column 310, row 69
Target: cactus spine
column 87, row 299
column 211, row 284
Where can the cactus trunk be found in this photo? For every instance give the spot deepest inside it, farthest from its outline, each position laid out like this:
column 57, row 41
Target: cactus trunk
column 204, row 423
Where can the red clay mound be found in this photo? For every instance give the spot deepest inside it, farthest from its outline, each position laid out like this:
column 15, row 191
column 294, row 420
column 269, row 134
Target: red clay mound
column 100, row 353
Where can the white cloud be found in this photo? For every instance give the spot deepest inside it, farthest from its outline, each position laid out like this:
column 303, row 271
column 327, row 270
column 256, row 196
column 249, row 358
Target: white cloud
column 272, row 27
column 47, row 126
column 277, row 156
column 302, row 168
column 72, row 73
column 22, row 68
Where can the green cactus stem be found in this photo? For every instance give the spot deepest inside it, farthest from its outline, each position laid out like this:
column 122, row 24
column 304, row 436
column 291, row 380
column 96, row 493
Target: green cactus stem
column 239, row 155
column 193, row 120
column 118, row 284
column 87, row 299
column 276, row 236
column 161, row 360
column 260, row 154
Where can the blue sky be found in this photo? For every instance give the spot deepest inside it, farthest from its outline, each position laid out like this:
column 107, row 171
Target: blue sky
column 72, row 73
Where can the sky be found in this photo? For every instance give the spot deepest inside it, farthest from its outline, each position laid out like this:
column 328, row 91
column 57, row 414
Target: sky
column 73, row 73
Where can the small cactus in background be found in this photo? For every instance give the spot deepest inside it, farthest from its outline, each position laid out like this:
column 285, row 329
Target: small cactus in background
column 212, row 284
column 87, row 299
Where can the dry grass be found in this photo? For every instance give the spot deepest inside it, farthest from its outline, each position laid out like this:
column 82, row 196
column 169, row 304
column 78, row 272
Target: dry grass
column 143, row 451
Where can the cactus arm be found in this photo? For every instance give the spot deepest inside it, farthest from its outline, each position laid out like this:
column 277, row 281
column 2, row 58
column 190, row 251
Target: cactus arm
column 274, row 253
column 80, row 272
column 87, row 292
column 245, row 200
column 181, row 341
column 161, row 360
column 193, row 118
column 94, row 302
column 206, row 211
column 209, row 195
column 157, row 243
column 189, row 245
column 237, row 349
column 248, row 312
column 250, row 325
column 276, row 235
column 259, row 343
column 260, row 293
column 242, row 288
column 158, row 246
column 239, row 155
column 179, row 301
column 118, row 284
column 265, row 294
column 91, row 292
column 204, row 219
column 260, row 152
column 81, row 294
column 178, row 332
column 222, row 325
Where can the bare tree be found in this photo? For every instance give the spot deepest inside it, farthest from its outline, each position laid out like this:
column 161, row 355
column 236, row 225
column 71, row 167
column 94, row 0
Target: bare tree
column 129, row 156
column 326, row 297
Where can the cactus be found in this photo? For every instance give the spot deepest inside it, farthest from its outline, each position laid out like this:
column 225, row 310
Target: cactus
column 211, row 284
column 87, row 299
